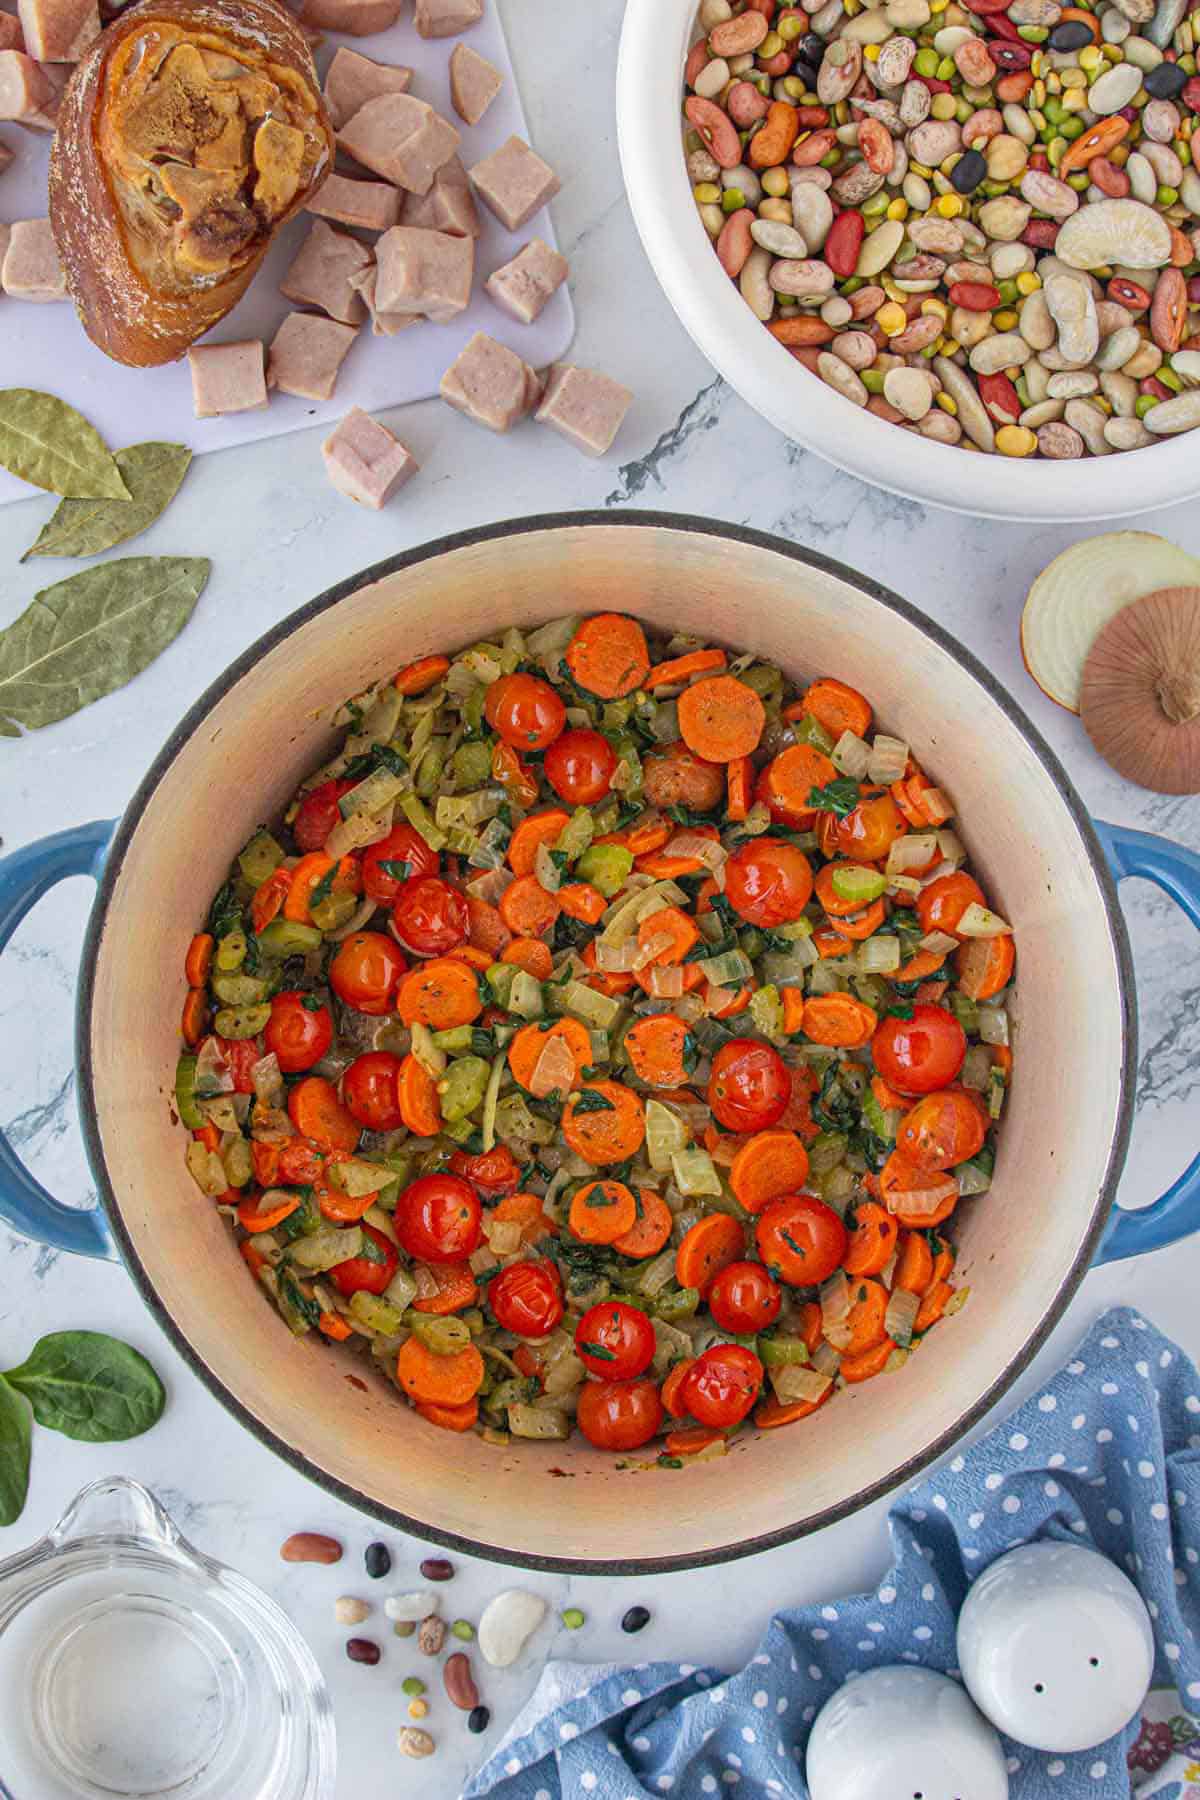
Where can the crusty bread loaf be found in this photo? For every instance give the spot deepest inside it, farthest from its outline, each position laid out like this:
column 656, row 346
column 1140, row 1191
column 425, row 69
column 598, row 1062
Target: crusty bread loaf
column 189, row 133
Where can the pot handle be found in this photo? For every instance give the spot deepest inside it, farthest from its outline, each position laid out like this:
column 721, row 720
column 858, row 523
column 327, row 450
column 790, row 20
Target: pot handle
column 24, row 877
column 1177, row 1212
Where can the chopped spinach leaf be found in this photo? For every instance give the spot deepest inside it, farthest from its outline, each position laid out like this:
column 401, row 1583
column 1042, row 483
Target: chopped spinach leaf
column 839, row 797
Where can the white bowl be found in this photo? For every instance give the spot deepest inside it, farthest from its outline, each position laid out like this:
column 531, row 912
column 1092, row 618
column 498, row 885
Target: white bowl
column 654, row 44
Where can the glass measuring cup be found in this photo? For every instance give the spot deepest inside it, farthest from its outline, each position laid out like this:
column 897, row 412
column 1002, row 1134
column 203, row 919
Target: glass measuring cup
column 133, row 1666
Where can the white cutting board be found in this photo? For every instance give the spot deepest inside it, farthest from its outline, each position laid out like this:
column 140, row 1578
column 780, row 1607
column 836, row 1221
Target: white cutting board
column 45, row 346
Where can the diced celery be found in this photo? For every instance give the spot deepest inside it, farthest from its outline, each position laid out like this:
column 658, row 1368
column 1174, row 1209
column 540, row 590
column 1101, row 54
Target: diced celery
column 419, row 818
column 459, row 1037
column 401, row 1290
column 241, row 1021
column 727, row 970
column 442, row 1333
column 469, row 809
column 576, row 834
column 514, row 1120
column 491, row 1100
column 285, row 937
column 606, row 866
column 300, row 1311
column 428, row 772
column 239, row 990
column 238, row 1161
column 462, row 1087
column 372, row 793
column 884, row 1123
column 185, row 1092
column 525, row 995
column 324, row 1249
column 655, row 1275
column 766, row 1009
column 964, row 1010
column 851, row 881
column 826, row 1151
column 600, row 1010
column 778, row 1351
column 808, row 731
column 472, row 764
column 678, row 1303
column 260, row 858
column 231, row 952
column 500, row 978
column 525, row 1421
column 376, row 1313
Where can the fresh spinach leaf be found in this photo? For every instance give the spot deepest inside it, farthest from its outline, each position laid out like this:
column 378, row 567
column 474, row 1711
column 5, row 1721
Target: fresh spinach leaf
column 16, row 1436
column 839, row 797
column 89, row 1386
column 588, row 1100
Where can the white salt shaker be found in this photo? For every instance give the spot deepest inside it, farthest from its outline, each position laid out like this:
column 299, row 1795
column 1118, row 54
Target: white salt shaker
column 905, row 1732
column 1055, row 1646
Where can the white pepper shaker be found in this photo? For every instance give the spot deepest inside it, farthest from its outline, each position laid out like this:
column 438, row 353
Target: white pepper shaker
column 906, row 1732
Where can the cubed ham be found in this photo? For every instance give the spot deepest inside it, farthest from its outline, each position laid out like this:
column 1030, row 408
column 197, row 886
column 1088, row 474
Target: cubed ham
column 59, row 30
column 382, row 324
column 227, row 378
column 585, row 406
column 448, row 206
column 425, row 272
column 490, row 384
column 24, row 87
column 513, row 182
column 320, row 274
column 474, row 83
column 306, row 354
column 445, row 18
column 523, row 286
column 10, row 32
column 371, row 205
column 365, row 461
column 31, row 269
column 353, row 79
column 400, row 138
column 357, row 18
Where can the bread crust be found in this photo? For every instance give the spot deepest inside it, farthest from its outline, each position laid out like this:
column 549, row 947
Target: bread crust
column 131, row 318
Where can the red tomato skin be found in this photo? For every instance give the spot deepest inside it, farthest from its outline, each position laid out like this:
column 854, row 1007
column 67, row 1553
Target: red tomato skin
column 810, row 1224
column 527, row 1298
column 361, row 1276
column 525, row 711
column 722, row 1385
column 403, row 843
column 318, row 814
column 867, row 833
column 366, row 971
column 299, row 1037
column 430, row 917
column 942, row 904
column 750, row 1087
column 768, row 881
column 240, row 1054
column 624, row 1332
column 579, row 767
column 744, row 1298
column 941, row 1131
column 438, row 1219
column 619, row 1415
column 369, row 1091
column 494, row 1173
column 921, row 1054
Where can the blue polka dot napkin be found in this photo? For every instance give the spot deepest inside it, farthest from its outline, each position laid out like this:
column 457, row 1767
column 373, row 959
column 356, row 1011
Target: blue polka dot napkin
column 1107, row 1455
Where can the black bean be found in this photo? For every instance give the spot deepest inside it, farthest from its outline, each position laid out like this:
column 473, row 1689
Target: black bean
column 1165, row 82
column 968, row 172
column 363, row 1650
column 436, row 1568
column 812, row 49
column 478, row 1719
column 805, row 72
column 636, row 1619
column 1070, row 35
column 378, row 1560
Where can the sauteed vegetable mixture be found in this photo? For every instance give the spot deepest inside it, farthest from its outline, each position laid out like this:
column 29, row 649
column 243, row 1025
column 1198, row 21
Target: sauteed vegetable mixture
column 608, row 1034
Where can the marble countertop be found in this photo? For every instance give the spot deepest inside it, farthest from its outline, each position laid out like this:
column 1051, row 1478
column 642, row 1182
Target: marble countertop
column 278, row 534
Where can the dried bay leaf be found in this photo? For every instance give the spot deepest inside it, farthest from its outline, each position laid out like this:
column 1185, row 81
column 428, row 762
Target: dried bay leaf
column 48, row 443
column 90, row 634
column 152, row 473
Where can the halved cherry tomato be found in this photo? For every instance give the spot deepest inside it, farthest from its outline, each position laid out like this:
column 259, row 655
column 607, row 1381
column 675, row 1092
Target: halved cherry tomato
column 722, row 1385
column 430, row 917
column 921, row 1054
column 941, row 1131
column 942, row 904
column 801, row 1240
column 579, row 767
column 768, row 881
column 371, row 1272
column 527, row 1298
column 299, row 1030
column 744, row 1299
column 619, row 1415
column 438, row 1218
column 495, row 1173
column 749, row 1087
column 240, row 1056
column 318, row 814
column 868, row 833
column 366, row 971
column 614, row 1341
column 525, row 711
column 369, row 1090
column 382, row 862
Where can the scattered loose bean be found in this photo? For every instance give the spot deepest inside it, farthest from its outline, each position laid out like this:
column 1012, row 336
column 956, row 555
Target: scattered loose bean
column 310, row 1546
column 573, row 1618
column 478, row 1719
column 437, row 1568
column 464, row 1630
column 411, row 1608
column 431, row 1635
column 508, row 1621
column 414, row 1742
column 405, row 1628
column 459, row 1682
column 363, row 1650
column 418, row 1709
column 636, row 1619
column 349, row 1611
column 412, row 1685
column 378, row 1561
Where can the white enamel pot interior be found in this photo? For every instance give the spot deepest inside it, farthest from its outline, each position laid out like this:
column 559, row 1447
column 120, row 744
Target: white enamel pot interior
column 236, row 760
column 654, row 41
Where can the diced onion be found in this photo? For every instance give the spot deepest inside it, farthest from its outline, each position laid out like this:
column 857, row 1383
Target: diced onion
column 663, row 893
column 993, row 1024
column 825, row 1360
column 879, row 955
column 796, row 1381
column 828, row 976
column 889, row 759
column 554, row 1069
column 952, row 848
column 971, row 1180
column 592, row 1007
column 901, row 1316
column 525, row 996
column 213, row 1073
column 706, row 850
column 431, row 1059
column 851, row 755
column 981, row 922
column 491, row 885
column 835, row 1300
column 617, row 959
column 977, row 1068
column 695, row 1172
column 939, row 942
column 268, row 1080
column 546, row 870
column 728, row 970
column 666, row 1133
column 552, row 638
column 921, row 1202
column 503, row 1235
column 912, row 851
column 653, row 946
column 666, row 981
column 903, row 884
column 579, row 716
column 936, row 806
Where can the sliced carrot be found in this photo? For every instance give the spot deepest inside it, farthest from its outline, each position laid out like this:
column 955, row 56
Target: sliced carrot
column 925, row 1221
column 308, row 872
column 602, row 1211
column 666, row 865
column 417, row 1098
column 604, row 1134
column 481, row 960
column 671, row 1391
column 838, row 708
column 417, row 677
column 269, row 898
column 768, row 1164
column 526, row 1048
column 943, row 1262
column 527, row 909
column 605, row 981
column 194, row 1020
column 264, row 1159
column 682, row 668
column 788, row 780
column 580, row 900
column 538, row 828
column 774, row 1413
column 652, row 1229
column 646, row 833
column 793, row 1009
column 670, row 923
column 887, row 1096
column 334, row 1326
column 253, row 1216
column 933, row 1305
column 656, row 1048
column 839, row 1020
column 863, row 1364
column 317, row 1113
column 924, row 963
column 726, row 1003
column 984, row 966
column 827, row 894
column 828, row 942
column 487, row 930
column 198, row 961
column 455, row 1289
column 739, row 790
column 339, row 1208
column 811, row 1324
column 515, row 777
column 691, row 1441
column 608, row 656
column 710, row 1245
column 861, row 925
column 914, row 1263
column 439, row 1380
column 300, row 1161
column 531, row 955
column 526, row 1209
column 864, row 1322
column 452, row 1418
column 441, row 993
column 720, row 718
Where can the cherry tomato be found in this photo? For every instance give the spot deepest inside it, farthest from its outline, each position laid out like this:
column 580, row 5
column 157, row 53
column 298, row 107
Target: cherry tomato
column 942, row 904
column 525, row 711
column 299, row 1031
column 614, row 1341
column 619, row 1415
column 801, row 1240
column 437, row 1219
column 403, row 844
column 768, row 881
column 371, row 1272
column 941, row 1130
column 240, row 1056
column 722, row 1385
column 749, row 1087
column 579, row 767
column 744, row 1298
column 369, row 1090
column 869, row 832
column 318, row 814
column 366, row 972
column 431, row 917
column 917, row 1055
column 527, row 1298
column 495, row 1172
